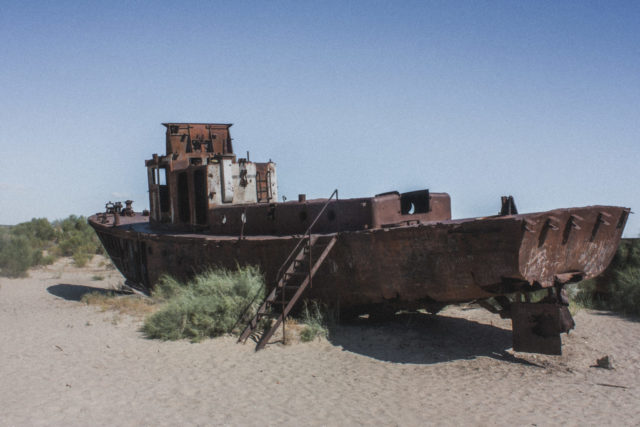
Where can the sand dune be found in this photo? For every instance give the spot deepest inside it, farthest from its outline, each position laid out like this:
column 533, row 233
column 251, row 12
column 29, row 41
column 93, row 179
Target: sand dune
column 66, row 363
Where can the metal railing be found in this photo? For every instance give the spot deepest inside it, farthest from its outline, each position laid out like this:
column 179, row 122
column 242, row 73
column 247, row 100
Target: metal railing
column 305, row 236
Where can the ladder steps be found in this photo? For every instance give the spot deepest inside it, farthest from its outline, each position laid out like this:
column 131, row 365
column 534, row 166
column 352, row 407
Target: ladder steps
column 316, row 249
column 302, row 262
column 290, row 287
column 296, row 273
column 267, row 335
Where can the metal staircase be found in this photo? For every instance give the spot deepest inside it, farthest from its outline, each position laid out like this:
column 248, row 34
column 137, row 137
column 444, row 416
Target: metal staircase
column 295, row 275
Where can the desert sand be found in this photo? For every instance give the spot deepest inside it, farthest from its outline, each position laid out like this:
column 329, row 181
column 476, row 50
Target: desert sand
column 66, row 363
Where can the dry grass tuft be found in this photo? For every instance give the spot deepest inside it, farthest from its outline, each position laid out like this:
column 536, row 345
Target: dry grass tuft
column 133, row 305
column 315, row 318
column 292, row 330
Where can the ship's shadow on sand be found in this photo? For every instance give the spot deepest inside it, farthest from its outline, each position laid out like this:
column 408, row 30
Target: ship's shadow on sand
column 407, row 338
column 76, row 292
column 424, row 339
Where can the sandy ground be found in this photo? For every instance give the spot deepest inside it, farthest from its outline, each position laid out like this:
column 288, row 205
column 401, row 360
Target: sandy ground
column 66, row 363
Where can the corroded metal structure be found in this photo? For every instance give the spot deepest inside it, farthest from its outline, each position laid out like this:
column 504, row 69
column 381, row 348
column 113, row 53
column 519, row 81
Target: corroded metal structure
column 388, row 252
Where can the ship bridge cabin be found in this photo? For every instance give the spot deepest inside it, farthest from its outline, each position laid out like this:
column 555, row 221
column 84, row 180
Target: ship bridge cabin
column 199, row 172
column 199, row 185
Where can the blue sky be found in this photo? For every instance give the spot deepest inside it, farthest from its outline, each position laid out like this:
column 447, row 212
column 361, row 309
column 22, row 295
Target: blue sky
column 540, row 100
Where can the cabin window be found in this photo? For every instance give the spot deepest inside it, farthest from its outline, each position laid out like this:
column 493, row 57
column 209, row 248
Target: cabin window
column 183, row 197
column 158, row 178
column 165, row 201
column 163, row 190
column 161, row 178
column 200, row 195
column 414, row 202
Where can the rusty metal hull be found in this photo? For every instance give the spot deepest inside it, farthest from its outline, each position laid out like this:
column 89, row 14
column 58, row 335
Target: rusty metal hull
column 407, row 266
column 392, row 251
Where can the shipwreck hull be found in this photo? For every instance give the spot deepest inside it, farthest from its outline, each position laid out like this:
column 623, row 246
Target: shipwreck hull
column 406, row 266
column 376, row 255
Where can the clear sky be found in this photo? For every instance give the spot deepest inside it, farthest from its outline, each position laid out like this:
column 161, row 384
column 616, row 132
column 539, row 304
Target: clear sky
column 540, row 100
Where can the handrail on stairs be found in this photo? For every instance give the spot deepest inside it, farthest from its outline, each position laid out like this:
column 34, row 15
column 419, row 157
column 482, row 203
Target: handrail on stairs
column 306, row 235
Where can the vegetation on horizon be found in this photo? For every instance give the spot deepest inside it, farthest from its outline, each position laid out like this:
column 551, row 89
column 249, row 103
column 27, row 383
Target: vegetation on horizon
column 40, row 242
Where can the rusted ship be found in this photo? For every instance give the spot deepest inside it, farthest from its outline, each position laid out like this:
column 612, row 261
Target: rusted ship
column 370, row 255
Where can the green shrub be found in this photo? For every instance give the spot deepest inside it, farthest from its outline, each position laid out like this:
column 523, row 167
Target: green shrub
column 48, row 259
column 618, row 288
column 315, row 320
column 39, row 230
column 81, row 258
column 17, row 256
column 167, row 288
column 209, row 305
column 625, row 292
column 74, row 235
column 21, row 246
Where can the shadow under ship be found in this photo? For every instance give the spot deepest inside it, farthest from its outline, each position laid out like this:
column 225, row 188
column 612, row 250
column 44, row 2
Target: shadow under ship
column 370, row 255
